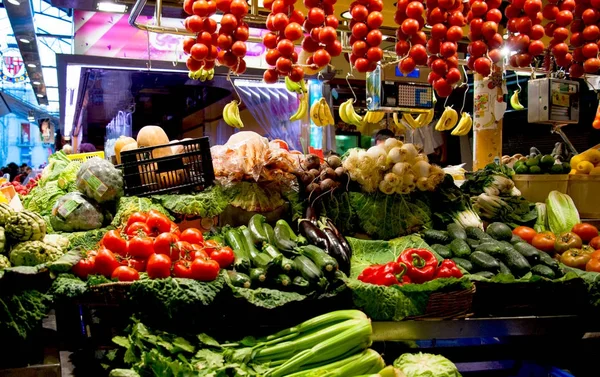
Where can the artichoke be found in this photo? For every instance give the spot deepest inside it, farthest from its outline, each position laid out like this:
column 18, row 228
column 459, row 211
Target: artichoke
column 74, row 212
column 32, row 253
column 100, row 180
column 4, row 262
column 25, row 226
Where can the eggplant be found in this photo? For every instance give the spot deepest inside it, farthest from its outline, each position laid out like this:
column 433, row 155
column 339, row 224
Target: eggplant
column 313, row 234
column 311, row 214
column 336, row 250
column 341, row 237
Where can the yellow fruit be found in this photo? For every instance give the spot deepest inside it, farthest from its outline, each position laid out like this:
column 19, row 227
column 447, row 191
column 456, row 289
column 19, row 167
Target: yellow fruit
column 595, row 171
column 592, row 155
column 576, row 160
column 573, row 171
column 584, row 167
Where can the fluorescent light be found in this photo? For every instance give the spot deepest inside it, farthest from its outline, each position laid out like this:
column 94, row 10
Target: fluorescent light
column 72, row 91
column 505, row 51
column 36, row 83
column 347, row 15
column 14, row 2
column 112, row 7
column 40, row 95
column 31, row 65
column 24, row 40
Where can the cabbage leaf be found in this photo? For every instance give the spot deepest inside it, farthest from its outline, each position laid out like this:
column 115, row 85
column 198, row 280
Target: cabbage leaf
column 208, row 203
column 426, row 365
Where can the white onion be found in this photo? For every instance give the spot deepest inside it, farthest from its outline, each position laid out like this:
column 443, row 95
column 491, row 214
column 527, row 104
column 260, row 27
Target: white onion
column 401, row 168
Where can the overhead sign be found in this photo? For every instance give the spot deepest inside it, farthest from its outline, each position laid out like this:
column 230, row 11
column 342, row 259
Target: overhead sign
column 13, row 67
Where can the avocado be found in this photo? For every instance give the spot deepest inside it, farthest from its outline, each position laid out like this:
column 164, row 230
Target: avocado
column 521, row 169
column 556, row 169
column 535, row 169
column 533, row 161
column 547, row 161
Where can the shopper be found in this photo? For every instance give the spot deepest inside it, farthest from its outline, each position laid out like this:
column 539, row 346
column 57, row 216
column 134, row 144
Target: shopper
column 382, row 135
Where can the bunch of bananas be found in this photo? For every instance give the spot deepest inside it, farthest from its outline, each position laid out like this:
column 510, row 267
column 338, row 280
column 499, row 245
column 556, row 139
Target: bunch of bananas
column 202, row 75
column 295, row 87
column 464, row 125
column 373, row 117
column 302, row 109
column 398, row 127
column 422, row 119
column 231, row 114
column 448, row 120
column 320, row 113
column 301, row 89
column 514, row 101
column 348, row 114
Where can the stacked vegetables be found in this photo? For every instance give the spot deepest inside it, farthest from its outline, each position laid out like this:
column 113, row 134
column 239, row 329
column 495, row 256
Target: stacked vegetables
column 317, row 177
column 393, row 168
column 587, row 162
column 366, row 36
column 284, row 260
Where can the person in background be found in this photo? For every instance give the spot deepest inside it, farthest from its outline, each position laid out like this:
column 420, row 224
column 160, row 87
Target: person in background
column 24, row 172
column 13, row 170
column 382, row 135
column 87, row 148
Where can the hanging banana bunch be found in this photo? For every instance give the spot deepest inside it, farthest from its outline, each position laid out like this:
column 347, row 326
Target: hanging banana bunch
column 348, row 114
column 320, row 113
column 373, row 117
column 448, row 120
column 398, row 127
column 464, row 126
column 202, row 75
column 301, row 89
column 231, row 114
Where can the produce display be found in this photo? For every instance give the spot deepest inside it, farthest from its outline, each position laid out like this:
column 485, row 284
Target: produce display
column 538, row 163
column 366, row 36
column 587, row 162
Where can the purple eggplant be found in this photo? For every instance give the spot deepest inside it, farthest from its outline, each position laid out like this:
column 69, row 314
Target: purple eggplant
column 313, row 234
column 336, row 250
column 341, row 237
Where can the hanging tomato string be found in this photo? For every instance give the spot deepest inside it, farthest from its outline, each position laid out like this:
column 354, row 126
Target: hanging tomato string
column 366, row 36
column 233, row 34
column 202, row 48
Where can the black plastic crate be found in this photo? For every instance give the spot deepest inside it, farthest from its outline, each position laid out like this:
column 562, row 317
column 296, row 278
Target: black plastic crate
column 191, row 169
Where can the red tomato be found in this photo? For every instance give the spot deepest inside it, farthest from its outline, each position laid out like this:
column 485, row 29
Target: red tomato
column 192, row 235
column 175, row 229
column 165, row 244
column 137, row 264
column 525, row 232
column 138, row 229
column 182, row 269
column 198, row 253
column 106, row 262
column 595, row 242
column 124, row 273
column 224, row 256
column 211, row 245
column 205, row 269
column 85, row 267
column 137, row 217
column 113, row 241
column 586, row 232
column 158, row 266
column 158, row 223
column 544, row 241
column 183, row 249
column 141, row 247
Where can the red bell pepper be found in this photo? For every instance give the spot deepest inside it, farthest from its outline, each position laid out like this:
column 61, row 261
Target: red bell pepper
column 392, row 273
column 448, row 269
column 421, row 264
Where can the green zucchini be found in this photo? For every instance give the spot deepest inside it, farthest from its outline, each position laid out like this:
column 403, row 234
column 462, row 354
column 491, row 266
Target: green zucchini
column 483, row 261
column 544, row 271
column 516, row 239
column 283, row 237
column 258, row 275
column 284, row 263
column 490, row 248
column 435, row 236
column 256, row 227
column 290, row 232
column 257, row 258
column 456, row 231
column 460, row 248
column 308, row 269
column 283, row 281
column 463, row 263
column 270, row 233
column 485, row 274
column 476, row 233
column 528, row 251
column 239, row 279
column 473, row 243
column 235, row 240
column 503, row 268
column 499, row 231
column 321, row 259
column 300, row 284
column 248, row 240
column 442, row 250
column 517, row 263
column 547, row 260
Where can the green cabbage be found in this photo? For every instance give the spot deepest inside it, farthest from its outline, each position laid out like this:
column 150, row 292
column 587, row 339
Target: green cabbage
column 561, row 211
column 74, row 212
column 42, row 198
column 426, row 365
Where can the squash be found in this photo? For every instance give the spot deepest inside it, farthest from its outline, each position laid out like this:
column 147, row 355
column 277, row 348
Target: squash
column 121, row 142
column 150, row 136
column 127, row 147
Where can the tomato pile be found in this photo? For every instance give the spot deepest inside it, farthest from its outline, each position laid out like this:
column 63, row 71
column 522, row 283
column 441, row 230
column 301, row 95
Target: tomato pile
column 321, row 25
column 524, row 24
column 23, row 190
column 366, row 36
column 585, row 36
column 285, row 26
column 152, row 243
column 233, row 34
column 203, row 48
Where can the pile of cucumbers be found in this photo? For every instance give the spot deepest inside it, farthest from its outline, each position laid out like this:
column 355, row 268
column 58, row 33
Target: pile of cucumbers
column 277, row 258
column 495, row 251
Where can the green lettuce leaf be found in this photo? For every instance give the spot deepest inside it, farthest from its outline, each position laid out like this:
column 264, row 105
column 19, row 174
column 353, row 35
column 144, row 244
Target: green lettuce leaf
column 426, row 365
column 267, row 298
column 86, row 240
column 208, row 203
column 337, row 207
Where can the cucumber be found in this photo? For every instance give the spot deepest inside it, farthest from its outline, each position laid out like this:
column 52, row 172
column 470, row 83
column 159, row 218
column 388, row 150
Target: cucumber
column 235, row 239
column 476, row 233
column 442, row 250
column 547, row 260
column 239, row 279
column 463, row 263
column 473, row 243
column 435, row 236
column 485, row 274
column 256, row 227
column 528, row 251
column 516, row 239
column 321, row 259
column 456, row 231
column 516, row 262
column 543, row 271
column 460, row 248
column 270, row 233
column 503, row 268
column 490, row 248
column 283, row 281
column 482, row 261
column 499, row 231
column 257, row 275
column 308, row 269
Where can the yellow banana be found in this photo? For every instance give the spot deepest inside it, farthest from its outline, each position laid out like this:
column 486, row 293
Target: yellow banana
column 342, row 112
column 235, row 111
column 430, row 114
column 231, row 115
column 314, row 114
column 327, row 111
column 302, row 108
column 351, row 114
column 408, row 118
column 399, row 127
column 514, row 101
column 211, row 74
column 448, row 120
column 464, row 126
column 292, row 86
column 322, row 112
column 226, row 115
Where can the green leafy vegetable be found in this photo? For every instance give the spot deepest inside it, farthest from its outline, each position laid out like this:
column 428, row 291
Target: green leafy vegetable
column 338, row 209
column 511, row 210
column 426, row 365
column 86, row 240
column 21, row 313
column 208, row 203
column 450, row 205
column 562, row 213
column 67, row 286
column 267, row 298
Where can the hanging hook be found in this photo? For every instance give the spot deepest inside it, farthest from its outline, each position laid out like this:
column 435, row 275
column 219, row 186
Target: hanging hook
column 464, row 97
column 348, row 75
column 518, row 85
column 234, row 88
column 446, row 101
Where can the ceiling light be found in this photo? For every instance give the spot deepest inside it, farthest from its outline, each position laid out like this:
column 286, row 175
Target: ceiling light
column 112, row 7
column 24, row 40
column 31, row 65
column 40, row 95
column 30, row 116
column 14, row 2
column 347, row 15
column 36, row 83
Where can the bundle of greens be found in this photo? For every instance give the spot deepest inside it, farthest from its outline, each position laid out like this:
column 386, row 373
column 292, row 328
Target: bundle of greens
column 450, row 205
column 335, row 343
column 511, row 210
column 494, row 179
column 21, row 314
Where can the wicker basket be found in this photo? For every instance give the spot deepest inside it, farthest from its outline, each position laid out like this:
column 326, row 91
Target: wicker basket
column 449, row 305
column 108, row 294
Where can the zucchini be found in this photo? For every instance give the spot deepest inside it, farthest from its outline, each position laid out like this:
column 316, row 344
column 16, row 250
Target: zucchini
column 476, row 233
column 248, row 240
column 547, row 260
column 257, row 275
column 283, row 225
column 257, row 258
column 516, row 239
column 528, row 251
column 308, row 269
column 300, row 284
column 270, row 233
column 442, row 250
column 490, row 248
column 283, row 237
column 485, row 274
column 256, row 227
column 503, row 268
column 239, row 279
column 435, row 236
column 456, row 231
column 460, row 248
column 515, row 261
column 322, row 260
column 284, row 263
column 234, row 239
column 543, row 271
column 482, row 261
column 499, row 231
column 283, row 281
column 473, row 243
column 464, row 264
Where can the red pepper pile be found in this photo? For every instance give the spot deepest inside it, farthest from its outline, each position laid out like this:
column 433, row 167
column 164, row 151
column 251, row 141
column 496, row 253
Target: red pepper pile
column 151, row 242
column 413, row 266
